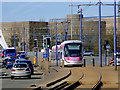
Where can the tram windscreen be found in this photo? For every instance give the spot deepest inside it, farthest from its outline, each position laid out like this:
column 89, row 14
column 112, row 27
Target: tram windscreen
column 73, row 50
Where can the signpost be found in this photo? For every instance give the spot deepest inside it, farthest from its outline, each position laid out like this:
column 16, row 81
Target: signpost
column 108, row 48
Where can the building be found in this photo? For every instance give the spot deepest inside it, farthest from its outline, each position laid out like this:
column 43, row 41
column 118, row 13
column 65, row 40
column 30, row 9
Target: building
column 10, row 29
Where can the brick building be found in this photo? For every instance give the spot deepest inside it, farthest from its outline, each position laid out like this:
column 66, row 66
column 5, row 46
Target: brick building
column 9, row 28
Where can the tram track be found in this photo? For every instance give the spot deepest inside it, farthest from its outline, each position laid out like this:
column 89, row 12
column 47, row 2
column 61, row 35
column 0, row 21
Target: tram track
column 78, row 78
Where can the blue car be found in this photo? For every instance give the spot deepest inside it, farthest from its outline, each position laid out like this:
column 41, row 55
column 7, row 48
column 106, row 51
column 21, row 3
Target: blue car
column 10, row 63
column 21, row 56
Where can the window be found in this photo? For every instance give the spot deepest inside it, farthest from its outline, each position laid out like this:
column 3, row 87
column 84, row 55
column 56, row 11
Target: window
column 20, row 65
column 10, row 51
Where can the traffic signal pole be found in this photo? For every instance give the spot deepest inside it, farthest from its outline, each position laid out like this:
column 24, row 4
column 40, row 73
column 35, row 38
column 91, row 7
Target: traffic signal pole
column 37, row 56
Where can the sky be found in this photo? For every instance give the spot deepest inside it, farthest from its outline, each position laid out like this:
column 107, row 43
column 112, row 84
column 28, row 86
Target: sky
column 13, row 11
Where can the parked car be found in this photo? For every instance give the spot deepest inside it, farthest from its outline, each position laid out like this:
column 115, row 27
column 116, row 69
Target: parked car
column 10, row 63
column 88, row 53
column 20, row 70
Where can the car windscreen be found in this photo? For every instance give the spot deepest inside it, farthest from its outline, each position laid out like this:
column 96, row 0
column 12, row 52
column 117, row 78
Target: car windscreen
column 22, row 56
column 20, row 66
column 11, row 60
column 10, row 51
column 88, row 51
column 73, row 50
column 28, row 62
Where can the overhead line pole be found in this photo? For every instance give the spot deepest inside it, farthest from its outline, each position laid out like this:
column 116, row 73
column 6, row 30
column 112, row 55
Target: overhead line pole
column 71, row 21
column 56, row 42
column 81, row 24
column 23, row 38
column 15, row 39
column 115, row 35
column 100, row 49
column 26, row 41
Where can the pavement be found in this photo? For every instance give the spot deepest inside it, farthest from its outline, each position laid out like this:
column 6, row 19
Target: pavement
column 109, row 76
column 50, row 75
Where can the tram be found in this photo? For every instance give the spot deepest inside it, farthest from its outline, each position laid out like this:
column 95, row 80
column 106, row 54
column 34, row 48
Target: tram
column 68, row 52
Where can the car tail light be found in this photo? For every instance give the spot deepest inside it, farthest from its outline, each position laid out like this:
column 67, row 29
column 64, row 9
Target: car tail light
column 2, row 54
column 8, row 62
column 12, row 70
column 27, row 69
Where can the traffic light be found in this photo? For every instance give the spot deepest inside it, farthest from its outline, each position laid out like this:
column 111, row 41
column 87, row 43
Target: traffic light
column 48, row 42
column 106, row 42
column 35, row 43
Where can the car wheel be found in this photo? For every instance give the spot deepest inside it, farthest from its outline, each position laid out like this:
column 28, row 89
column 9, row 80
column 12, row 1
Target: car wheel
column 113, row 64
column 12, row 77
column 29, row 76
column 32, row 73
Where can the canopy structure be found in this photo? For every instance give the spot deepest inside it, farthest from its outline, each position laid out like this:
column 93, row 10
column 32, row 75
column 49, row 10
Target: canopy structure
column 2, row 40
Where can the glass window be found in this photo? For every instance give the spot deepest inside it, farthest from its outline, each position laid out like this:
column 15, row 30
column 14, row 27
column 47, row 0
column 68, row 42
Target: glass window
column 73, row 50
column 10, row 51
column 11, row 60
column 20, row 65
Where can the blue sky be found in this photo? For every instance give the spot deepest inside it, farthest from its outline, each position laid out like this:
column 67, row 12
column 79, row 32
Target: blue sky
column 27, row 11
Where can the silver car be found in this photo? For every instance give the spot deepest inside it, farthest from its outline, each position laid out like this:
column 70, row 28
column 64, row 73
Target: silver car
column 88, row 53
column 20, row 70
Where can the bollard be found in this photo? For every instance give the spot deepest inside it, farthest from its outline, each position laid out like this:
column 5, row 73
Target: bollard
column 93, row 62
column 62, row 63
column 34, row 60
column 84, row 63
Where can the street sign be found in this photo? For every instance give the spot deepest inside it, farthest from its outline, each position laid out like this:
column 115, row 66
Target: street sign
column 45, row 55
column 107, row 46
